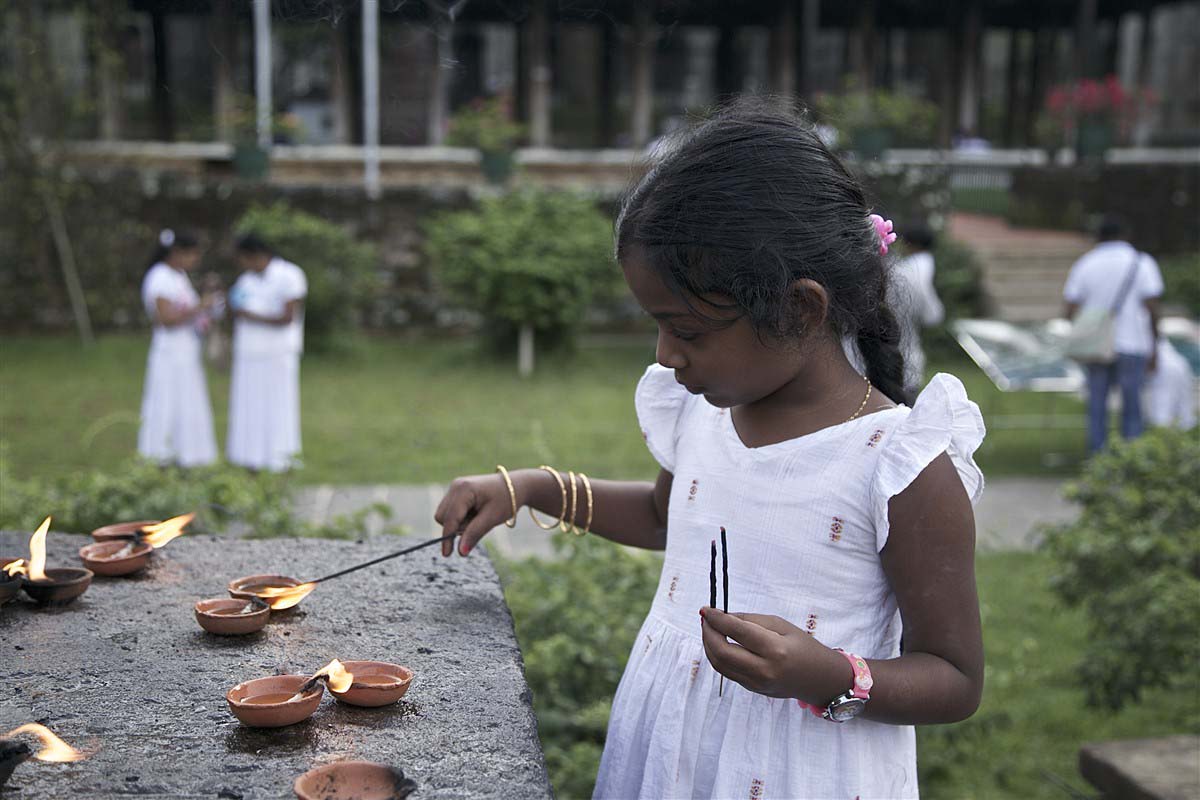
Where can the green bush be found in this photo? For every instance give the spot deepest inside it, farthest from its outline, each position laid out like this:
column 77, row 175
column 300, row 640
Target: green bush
column 958, row 280
column 869, row 121
column 341, row 270
column 1132, row 561
column 260, row 504
column 576, row 619
column 531, row 257
column 1181, row 275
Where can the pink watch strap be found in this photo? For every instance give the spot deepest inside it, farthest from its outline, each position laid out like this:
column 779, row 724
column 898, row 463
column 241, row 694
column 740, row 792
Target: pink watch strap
column 862, row 682
column 862, row 675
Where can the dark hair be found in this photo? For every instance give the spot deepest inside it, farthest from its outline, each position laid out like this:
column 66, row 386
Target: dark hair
column 253, row 244
column 1111, row 227
column 749, row 201
column 919, row 235
column 168, row 240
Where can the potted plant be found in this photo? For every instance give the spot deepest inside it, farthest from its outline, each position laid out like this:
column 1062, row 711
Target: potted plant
column 250, row 160
column 486, row 124
column 871, row 121
column 1094, row 113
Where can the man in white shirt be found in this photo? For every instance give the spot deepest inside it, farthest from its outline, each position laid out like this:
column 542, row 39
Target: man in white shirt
column 1114, row 274
column 268, row 338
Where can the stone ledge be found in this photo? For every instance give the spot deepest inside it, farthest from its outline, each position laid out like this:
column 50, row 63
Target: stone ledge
column 127, row 669
column 1167, row 768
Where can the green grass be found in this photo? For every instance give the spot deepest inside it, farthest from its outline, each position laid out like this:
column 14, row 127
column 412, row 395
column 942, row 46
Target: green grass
column 1024, row 741
column 415, row 410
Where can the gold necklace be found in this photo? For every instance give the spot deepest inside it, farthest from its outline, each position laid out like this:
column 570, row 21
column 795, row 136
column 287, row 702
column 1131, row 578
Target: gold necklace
column 863, row 405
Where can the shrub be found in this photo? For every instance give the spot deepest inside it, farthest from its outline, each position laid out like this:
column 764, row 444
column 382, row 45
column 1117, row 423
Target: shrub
column 958, row 280
column 867, row 119
column 1132, row 561
column 486, row 124
column 1181, row 275
column 259, row 504
column 529, row 257
column 341, row 270
column 576, row 619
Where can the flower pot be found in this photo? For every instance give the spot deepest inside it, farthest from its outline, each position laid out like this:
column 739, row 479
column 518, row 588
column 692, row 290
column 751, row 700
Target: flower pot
column 1093, row 139
column 250, row 161
column 870, row 143
column 497, row 165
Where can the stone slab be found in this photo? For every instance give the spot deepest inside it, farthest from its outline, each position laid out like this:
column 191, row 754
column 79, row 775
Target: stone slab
column 1166, row 768
column 127, row 669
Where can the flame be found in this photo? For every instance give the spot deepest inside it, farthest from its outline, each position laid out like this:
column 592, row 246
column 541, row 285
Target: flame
column 160, row 533
column 15, row 568
column 53, row 748
column 339, row 679
column 281, row 597
column 36, row 568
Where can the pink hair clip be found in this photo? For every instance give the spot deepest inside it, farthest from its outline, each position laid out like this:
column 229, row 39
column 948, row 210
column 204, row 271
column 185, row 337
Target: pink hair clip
column 883, row 227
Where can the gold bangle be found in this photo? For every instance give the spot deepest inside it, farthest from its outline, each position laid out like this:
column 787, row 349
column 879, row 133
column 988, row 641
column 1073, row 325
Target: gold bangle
column 574, row 512
column 562, row 488
column 587, row 525
column 512, row 495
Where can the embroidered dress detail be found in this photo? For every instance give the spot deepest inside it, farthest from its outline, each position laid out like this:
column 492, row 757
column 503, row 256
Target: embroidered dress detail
column 670, row 734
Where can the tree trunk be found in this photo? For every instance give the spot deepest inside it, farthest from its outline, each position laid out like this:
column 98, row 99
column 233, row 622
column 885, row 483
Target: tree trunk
column 66, row 260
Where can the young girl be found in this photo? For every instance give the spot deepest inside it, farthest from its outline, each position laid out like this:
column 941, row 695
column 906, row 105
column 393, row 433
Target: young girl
column 176, row 415
column 848, row 514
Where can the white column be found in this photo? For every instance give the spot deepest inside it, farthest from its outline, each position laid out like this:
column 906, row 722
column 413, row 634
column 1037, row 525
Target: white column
column 645, row 38
column 370, row 48
column 262, row 70
column 439, row 81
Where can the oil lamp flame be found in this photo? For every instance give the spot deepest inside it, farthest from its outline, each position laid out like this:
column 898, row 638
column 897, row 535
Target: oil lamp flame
column 53, row 748
column 160, row 533
column 36, row 568
column 15, row 568
column 281, row 597
column 339, row 679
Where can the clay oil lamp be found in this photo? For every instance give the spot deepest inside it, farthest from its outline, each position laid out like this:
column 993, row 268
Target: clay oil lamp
column 115, row 558
column 284, row 699
column 281, row 592
column 121, row 530
column 13, row 753
column 48, row 587
column 376, row 683
column 232, row 616
column 354, row 780
column 10, row 585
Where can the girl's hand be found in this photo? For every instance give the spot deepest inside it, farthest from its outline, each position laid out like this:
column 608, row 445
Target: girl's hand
column 473, row 506
column 771, row 656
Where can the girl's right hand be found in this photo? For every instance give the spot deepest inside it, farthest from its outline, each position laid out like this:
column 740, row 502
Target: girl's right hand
column 475, row 504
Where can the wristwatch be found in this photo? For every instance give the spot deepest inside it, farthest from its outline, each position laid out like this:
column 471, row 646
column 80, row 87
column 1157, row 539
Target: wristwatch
column 851, row 703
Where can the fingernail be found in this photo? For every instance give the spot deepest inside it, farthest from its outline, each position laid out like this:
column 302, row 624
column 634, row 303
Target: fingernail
column 702, row 612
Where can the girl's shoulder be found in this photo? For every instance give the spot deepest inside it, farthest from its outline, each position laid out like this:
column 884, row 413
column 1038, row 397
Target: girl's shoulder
column 942, row 420
column 661, row 403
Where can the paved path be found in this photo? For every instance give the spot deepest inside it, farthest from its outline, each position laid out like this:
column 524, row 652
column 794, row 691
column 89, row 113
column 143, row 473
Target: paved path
column 1007, row 518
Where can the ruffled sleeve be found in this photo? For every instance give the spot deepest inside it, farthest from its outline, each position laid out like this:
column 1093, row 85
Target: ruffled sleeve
column 942, row 420
column 660, row 402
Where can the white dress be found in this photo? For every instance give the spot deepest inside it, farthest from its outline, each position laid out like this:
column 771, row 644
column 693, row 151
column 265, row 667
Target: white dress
column 176, row 415
column 264, row 387
column 806, row 519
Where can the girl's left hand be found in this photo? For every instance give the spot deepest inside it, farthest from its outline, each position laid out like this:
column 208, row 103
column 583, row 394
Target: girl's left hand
column 771, row 656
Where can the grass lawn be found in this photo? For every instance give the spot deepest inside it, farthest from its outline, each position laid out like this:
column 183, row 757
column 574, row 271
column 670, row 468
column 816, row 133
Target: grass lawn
column 418, row 410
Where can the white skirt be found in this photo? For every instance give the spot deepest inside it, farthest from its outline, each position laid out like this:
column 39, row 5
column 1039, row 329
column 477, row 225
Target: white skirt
column 177, row 423
column 264, row 412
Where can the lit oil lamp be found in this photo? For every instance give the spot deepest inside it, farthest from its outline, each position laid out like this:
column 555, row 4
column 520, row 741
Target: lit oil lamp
column 13, row 753
column 54, row 587
column 354, row 780
column 125, row 548
column 10, row 585
column 375, row 683
column 285, row 699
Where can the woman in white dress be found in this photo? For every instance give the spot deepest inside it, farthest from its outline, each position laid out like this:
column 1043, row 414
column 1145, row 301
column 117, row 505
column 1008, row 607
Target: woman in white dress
column 176, row 414
column 268, row 338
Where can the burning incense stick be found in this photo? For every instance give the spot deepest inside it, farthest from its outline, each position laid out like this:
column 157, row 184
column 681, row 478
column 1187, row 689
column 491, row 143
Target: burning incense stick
column 281, row 597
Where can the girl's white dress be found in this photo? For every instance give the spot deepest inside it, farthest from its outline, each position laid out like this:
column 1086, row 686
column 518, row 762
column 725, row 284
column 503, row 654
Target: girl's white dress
column 176, row 415
column 806, row 519
column 264, row 385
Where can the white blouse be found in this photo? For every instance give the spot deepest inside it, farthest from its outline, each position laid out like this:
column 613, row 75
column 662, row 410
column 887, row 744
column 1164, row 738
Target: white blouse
column 806, row 520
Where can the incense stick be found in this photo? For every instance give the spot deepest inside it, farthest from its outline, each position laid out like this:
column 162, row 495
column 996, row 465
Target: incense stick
column 724, row 594
column 403, row 552
column 712, row 576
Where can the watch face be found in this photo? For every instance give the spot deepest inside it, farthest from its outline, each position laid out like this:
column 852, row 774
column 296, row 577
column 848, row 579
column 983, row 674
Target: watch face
column 846, row 710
